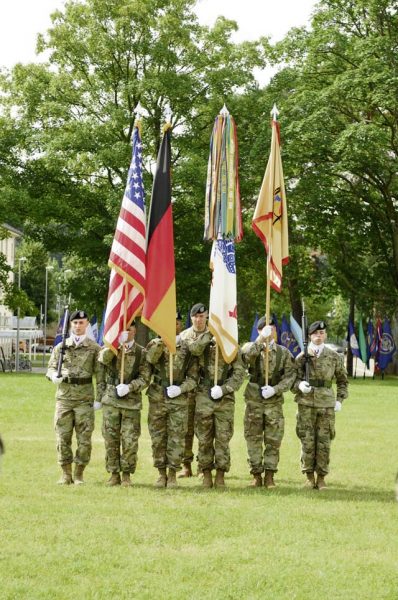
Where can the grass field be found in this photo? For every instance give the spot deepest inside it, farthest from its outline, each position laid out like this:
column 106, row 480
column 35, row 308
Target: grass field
column 94, row 542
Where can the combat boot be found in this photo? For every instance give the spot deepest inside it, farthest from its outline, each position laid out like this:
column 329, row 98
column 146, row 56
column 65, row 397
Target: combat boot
column 257, row 480
column 66, row 477
column 320, row 482
column 310, row 483
column 269, row 482
column 126, row 481
column 114, row 479
column 186, row 471
column 171, row 479
column 219, row 480
column 161, row 481
column 79, row 474
column 207, row 479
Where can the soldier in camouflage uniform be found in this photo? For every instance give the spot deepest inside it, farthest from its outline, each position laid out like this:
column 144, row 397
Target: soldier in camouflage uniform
column 122, row 403
column 317, row 404
column 199, row 316
column 215, row 406
column 168, row 407
column 264, row 422
column 75, row 397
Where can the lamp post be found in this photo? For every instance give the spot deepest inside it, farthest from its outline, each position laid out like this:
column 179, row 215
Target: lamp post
column 20, row 260
column 48, row 268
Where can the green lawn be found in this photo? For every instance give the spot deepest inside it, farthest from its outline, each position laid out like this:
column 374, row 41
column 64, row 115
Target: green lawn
column 94, row 542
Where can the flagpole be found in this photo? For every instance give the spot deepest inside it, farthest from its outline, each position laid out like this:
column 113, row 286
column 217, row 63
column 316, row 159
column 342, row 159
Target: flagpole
column 267, row 312
column 126, row 298
column 216, row 366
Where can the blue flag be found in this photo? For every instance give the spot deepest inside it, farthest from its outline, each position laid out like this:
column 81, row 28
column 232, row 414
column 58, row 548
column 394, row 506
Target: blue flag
column 287, row 338
column 92, row 329
column 277, row 329
column 254, row 333
column 387, row 346
column 188, row 322
column 352, row 340
column 297, row 332
column 100, row 337
column 58, row 337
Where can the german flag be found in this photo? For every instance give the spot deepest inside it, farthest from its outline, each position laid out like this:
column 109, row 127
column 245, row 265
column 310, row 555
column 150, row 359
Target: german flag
column 159, row 310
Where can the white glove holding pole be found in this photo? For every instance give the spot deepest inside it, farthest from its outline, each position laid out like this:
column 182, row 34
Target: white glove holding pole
column 338, row 406
column 305, row 387
column 123, row 337
column 267, row 391
column 55, row 379
column 173, row 391
column 216, row 392
column 122, row 389
column 266, row 332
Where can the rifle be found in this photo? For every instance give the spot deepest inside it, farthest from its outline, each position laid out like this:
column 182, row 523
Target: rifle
column 304, row 327
column 65, row 328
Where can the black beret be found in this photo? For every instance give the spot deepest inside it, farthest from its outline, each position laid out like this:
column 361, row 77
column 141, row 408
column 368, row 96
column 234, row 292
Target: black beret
column 78, row 314
column 261, row 322
column 198, row 309
column 315, row 326
column 178, row 316
column 132, row 324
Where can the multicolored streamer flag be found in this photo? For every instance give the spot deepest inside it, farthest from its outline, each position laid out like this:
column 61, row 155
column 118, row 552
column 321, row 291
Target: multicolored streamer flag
column 222, row 206
column 160, row 306
column 270, row 216
column 223, row 316
column 127, row 258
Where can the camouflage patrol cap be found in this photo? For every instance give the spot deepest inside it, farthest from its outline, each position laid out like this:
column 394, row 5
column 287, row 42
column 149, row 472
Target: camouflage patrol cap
column 315, row 326
column 78, row 314
column 261, row 322
column 198, row 309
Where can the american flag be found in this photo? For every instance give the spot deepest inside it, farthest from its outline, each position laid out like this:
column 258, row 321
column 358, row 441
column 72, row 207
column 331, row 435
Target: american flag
column 127, row 257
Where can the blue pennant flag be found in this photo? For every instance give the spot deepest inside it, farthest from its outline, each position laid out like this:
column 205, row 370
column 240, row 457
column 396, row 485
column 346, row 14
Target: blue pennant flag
column 277, row 329
column 287, row 338
column 188, row 322
column 297, row 332
column 387, row 346
column 92, row 329
column 58, row 337
column 352, row 340
column 254, row 333
column 100, row 337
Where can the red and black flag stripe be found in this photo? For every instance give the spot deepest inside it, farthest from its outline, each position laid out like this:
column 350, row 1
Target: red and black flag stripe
column 159, row 309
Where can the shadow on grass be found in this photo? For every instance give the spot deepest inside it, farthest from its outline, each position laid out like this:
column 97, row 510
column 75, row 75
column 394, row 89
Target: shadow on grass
column 335, row 492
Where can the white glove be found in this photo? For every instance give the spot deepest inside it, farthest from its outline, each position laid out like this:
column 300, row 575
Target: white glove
column 173, row 391
column 55, row 379
column 123, row 337
column 305, row 387
column 97, row 405
column 266, row 331
column 338, row 406
column 267, row 391
column 216, row 392
column 122, row 389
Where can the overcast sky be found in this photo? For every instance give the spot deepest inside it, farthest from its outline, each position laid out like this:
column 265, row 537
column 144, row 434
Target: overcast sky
column 22, row 20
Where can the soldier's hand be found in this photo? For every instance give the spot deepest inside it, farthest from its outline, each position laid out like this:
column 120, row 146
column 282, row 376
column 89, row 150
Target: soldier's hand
column 266, row 332
column 123, row 337
column 55, row 379
column 338, row 406
column 97, row 405
column 305, row 387
column 267, row 391
column 216, row 392
column 122, row 389
column 173, row 391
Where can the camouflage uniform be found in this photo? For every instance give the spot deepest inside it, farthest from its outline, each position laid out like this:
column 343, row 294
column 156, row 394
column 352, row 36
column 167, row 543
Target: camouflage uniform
column 168, row 417
column 315, row 415
column 75, row 398
column 214, row 419
column 264, row 422
column 121, row 425
column 189, row 335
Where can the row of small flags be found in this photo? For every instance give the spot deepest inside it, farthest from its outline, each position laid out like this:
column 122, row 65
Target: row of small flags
column 378, row 342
